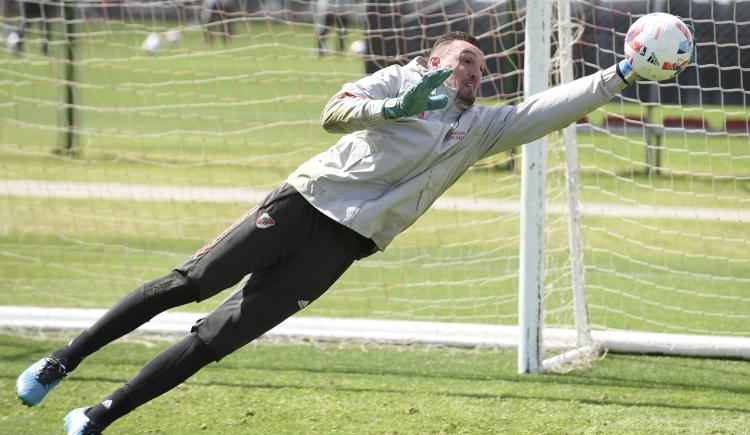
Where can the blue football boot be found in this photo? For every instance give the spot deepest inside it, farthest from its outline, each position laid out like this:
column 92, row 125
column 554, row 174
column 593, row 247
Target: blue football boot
column 77, row 423
column 38, row 380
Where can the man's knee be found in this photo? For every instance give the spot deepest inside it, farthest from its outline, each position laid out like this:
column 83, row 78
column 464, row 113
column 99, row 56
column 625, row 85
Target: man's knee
column 167, row 292
column 170, row 283
column 195, row 331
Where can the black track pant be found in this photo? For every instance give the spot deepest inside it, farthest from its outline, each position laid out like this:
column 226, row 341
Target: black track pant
column 293, row 252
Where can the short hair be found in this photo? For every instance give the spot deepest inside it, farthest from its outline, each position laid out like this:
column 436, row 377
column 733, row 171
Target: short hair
column 455, row 36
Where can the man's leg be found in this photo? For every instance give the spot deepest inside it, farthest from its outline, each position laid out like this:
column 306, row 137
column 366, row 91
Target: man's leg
column 135, row 309
column 322, row 31
column 268, row 298
column 241, row 249
column 25, row 9
column 131, row 312
column 46, row 13
column 167, row 370
column 341, row 31
column 226, row 25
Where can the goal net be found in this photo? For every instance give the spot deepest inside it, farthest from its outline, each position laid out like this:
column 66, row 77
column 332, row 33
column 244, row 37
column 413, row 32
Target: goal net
column 143, row 129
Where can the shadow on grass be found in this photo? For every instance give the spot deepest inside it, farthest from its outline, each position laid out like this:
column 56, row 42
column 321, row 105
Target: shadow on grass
column 585, row 378
column 456, row 394
column 645, row 377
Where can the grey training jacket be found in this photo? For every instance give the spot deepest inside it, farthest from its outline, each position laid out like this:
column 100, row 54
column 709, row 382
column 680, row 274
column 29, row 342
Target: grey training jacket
column 383, row 174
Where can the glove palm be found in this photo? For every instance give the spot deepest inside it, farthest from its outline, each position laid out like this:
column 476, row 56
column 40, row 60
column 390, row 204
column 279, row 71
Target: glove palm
column 417, row 98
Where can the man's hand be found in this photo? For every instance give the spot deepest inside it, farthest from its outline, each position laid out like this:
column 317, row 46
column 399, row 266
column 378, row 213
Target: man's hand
column 626, row 72
column 417, row 98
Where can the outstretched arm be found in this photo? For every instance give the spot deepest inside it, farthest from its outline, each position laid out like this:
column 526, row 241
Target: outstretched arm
column 557, row 107
column 554, row 109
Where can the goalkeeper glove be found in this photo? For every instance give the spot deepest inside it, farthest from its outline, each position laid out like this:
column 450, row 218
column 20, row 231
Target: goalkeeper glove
column 417, row 98
column 626, row 72
column 691, row 29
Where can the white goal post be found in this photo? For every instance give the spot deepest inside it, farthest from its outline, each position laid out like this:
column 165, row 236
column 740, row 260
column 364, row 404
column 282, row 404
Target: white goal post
column 531, row 283
column 533, row 176
column 626, row 232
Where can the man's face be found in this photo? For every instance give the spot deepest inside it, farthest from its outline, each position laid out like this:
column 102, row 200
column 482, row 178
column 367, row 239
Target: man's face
column 467, row 62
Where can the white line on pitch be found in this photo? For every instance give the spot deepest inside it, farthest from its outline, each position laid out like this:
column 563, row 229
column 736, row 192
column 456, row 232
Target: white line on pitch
column 142, row 192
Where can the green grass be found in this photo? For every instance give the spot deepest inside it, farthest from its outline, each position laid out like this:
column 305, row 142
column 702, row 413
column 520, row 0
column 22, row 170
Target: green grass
column 293, row 389
column 245, row 117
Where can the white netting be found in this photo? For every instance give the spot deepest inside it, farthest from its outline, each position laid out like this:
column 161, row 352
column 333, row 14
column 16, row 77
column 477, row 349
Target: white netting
column 175, row 135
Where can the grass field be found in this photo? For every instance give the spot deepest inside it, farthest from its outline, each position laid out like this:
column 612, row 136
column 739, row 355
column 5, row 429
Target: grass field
column 325, row 389
column 245, row 116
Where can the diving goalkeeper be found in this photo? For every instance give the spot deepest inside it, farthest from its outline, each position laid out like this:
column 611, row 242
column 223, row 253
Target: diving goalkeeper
column 409, row 133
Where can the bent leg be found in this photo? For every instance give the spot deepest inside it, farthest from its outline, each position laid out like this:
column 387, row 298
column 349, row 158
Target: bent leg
column 269, row 297
column 263, row 237
column 33, row 385
column 135, row 309
column 241, row 249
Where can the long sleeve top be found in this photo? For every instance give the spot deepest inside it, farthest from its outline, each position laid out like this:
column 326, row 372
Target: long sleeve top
column 383, row 174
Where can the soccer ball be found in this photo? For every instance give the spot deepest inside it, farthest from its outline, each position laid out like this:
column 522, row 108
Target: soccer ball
column 13, row 41
column 358, row 47
column 151, row 44
column 658, row 46
column 173, row 36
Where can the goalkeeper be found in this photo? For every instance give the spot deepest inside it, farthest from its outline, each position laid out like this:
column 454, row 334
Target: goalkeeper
column 409, row 133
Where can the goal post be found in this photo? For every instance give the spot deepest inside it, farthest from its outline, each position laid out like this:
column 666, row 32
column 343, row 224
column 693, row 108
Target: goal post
column 531, row 359
column 177, row 134
column 533, row 176
column 572, row 182
column 584, row 348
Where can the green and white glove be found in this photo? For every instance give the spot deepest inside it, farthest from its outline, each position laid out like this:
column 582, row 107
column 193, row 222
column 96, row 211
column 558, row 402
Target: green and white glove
column 417, row 99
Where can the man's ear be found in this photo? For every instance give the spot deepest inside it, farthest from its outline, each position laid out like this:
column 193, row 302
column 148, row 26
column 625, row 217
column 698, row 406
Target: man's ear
column 433, row 62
